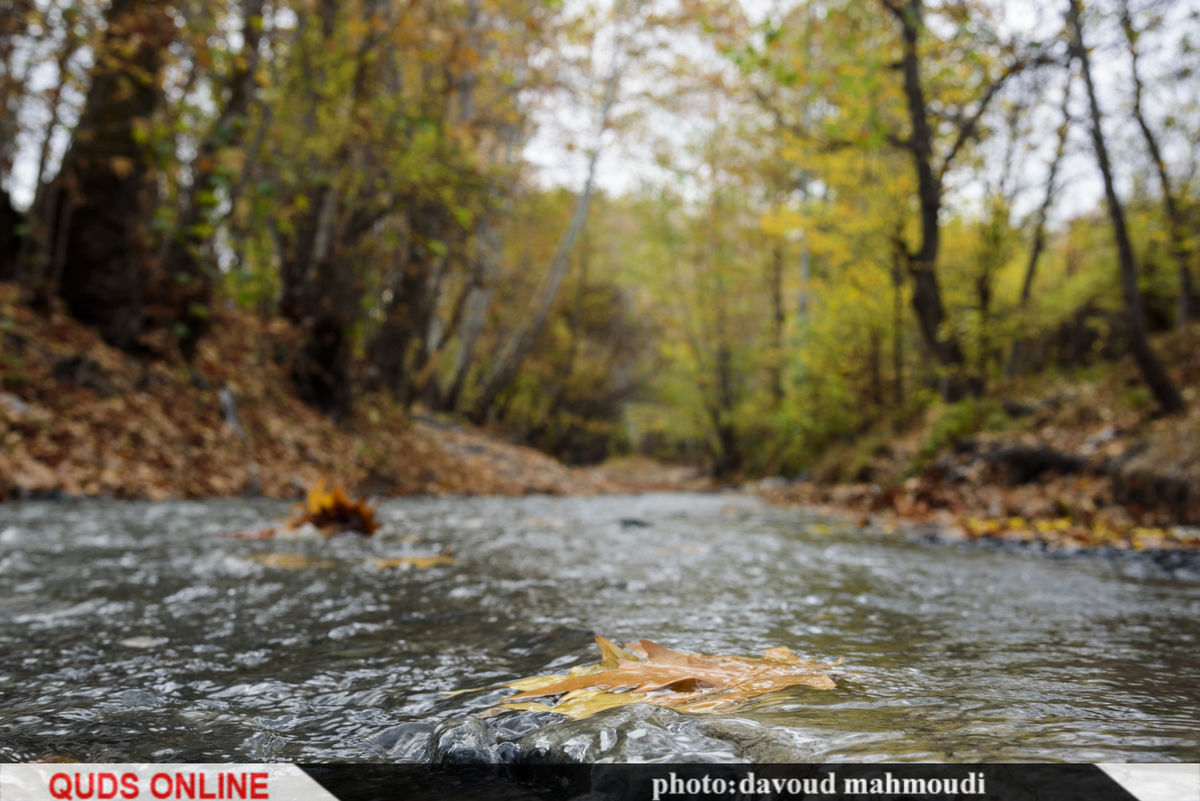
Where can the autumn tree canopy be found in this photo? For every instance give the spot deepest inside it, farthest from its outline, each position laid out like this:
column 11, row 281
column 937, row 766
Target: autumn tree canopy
column 708, row 230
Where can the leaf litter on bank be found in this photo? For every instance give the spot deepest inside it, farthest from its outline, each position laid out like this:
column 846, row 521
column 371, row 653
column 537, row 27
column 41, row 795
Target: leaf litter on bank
column 646, row 672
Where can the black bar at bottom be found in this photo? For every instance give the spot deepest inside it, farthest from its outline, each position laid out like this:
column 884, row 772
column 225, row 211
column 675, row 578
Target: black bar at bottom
column 698, row 781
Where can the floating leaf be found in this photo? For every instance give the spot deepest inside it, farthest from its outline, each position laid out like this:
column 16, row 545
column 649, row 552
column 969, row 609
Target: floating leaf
column 288, row 561
column 420, row 562
column 325, row 512
column 654, row 674
column 143, row 642
column 333, row 510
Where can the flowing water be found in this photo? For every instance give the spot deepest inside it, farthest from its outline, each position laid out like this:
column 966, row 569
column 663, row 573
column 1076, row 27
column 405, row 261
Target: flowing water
column 132, row 632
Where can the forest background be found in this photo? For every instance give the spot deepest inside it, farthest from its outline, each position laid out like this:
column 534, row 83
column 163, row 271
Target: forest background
column 248, row 242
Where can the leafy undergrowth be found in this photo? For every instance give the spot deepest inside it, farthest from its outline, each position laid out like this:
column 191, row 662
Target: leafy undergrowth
column 79, row 418
column 1061, row 462
column 649, row 673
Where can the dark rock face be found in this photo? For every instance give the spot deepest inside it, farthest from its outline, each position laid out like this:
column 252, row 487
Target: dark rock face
column 1022, row 464
column 1160, row 475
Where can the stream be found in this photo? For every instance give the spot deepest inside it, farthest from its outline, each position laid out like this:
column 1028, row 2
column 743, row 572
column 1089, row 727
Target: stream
column 132, row 632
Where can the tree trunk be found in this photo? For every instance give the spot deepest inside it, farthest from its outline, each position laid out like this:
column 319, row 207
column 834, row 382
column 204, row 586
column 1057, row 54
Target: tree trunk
column 319, row 297
column 1176, row 220
column 10, row 239
column 483, row 273
column 509, row 360
column 778, row 324
column 1021, row 347
column 1043, row 212
column 899, row 257
column 927, row 294
column 1157, row 379
column 189, row 270
column 102, row 262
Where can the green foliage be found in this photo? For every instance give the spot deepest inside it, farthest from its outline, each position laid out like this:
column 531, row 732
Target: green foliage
column 749, row 305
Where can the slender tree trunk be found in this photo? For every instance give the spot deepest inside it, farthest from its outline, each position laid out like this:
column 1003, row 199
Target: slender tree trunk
column 1043, row 212
column 778, row 323
column 1176, row 219
column 899, row 257
column 1157, row 379
column 1021, row 347
column 484, row 272
column 509, row 360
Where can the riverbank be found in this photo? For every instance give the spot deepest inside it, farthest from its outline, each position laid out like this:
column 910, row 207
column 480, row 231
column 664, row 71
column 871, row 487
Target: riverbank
column 1069, row 461
column 1077, row 461
column 79, row 418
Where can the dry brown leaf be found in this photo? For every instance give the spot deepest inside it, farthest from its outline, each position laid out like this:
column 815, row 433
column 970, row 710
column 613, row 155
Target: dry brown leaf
column 333, row 510
column 288, row 561
column 420, row 562
column 651, row 673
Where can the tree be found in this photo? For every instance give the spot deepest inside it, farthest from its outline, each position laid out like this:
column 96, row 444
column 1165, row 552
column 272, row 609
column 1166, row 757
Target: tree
column 1177, row 224
column 508, row 360
column 931, row 169
column 189, row 268
column 1041, row 216
column 1156, row 378
column 102, row 259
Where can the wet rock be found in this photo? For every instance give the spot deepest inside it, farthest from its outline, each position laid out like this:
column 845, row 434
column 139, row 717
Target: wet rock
column 17, row 407
column 642, row 732
column 634, row 733
column 514, row 726
column 407, row 742
column 462, row 740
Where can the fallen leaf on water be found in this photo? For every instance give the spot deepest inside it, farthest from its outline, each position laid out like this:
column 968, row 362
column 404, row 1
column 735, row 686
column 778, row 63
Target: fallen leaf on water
column 288, row 561
column 419, row 562
column 650, row 673
column 333, row 510
column 324, row 513
column 143, row 642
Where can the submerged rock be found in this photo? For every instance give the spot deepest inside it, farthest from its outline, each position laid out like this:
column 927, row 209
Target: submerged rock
column 462, row 740
column 642, row 732
column 633, row 733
